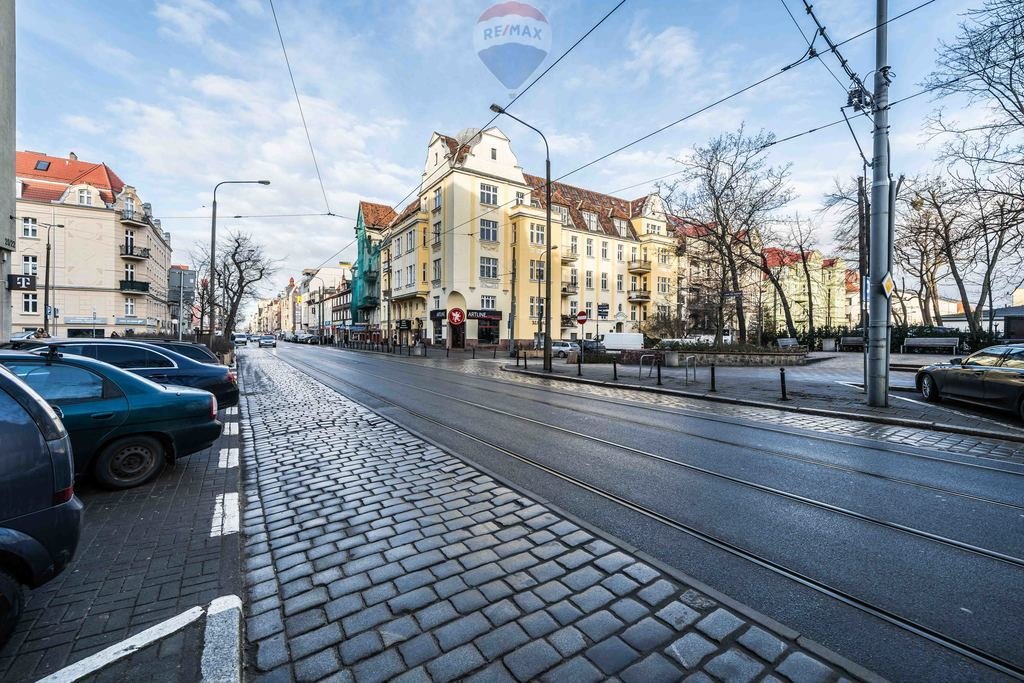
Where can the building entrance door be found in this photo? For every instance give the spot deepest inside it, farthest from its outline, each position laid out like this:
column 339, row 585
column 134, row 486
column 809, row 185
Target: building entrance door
column 458, row 333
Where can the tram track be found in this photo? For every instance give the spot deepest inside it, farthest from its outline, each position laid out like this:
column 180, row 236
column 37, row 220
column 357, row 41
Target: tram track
column 884, row 614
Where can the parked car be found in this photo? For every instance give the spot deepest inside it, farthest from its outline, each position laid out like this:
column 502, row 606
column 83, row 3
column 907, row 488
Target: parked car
column 561, row 349
column 992, row 377
column 239, row 339
column 268, row 340
column 195, row 351
column 155, row 363
column 40, row 517
column 123, row 427
column 593, row 346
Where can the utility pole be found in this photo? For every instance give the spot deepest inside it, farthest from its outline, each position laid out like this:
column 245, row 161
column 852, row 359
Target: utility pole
column 181, row 300
column 7, row 203
column 880, row 245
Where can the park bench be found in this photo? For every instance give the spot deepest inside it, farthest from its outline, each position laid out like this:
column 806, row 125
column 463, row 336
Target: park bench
column 786, row 342
column 931, row 343
column 854, row 342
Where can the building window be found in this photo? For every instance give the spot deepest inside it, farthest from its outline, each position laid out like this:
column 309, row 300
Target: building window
column 488, row 302
column 424, row 274
column 590, row 279
column 437, row 199
column 618, row 252
column 437, row 302
column 604, row 281
column 488, row 194
column 129, row 306
column 424, row 235
column 42, row 165
column 620, row 227
column 536, row 233
column 536, row 307
column 488, row 267
column 410, row 275
column 590, row 247
column 573, row 307
column 653, row 229
column 590, row 310
column 410, row 240
column 437, row 270
column 494, row 153
column 662, row 285
column 29, row 265
column 129, row 207
column 85, row 197
column 563, row 213
column 520, row 198
column 590, row 219
column 29, row 227
column 574, row 245
column 398, row 279
column 632, row 312
column 604, row 250
column 489, row 230
column 437, row 233
column 663, row 257
column 29, row 303
column 618, row 282
column 536, row 270
column 129, row 272
column 574, row 276
column 129, row 239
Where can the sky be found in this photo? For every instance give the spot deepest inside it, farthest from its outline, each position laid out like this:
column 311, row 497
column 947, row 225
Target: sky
column 176, row 95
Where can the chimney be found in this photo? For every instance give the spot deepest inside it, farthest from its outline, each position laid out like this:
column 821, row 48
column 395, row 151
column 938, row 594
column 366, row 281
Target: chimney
column 73, row 156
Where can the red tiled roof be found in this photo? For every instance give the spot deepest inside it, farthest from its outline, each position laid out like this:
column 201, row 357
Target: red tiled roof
column 43, row 192
column 409, row 210
column 376, row 215
column 776, row 257
column 577, row 200
column 65, row 171
column 852, row 280
column 828, row 262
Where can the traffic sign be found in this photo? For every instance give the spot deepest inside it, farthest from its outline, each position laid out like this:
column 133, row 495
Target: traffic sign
column 581, row 318
column 602, row 310
column 888, row 285
column 456, row 316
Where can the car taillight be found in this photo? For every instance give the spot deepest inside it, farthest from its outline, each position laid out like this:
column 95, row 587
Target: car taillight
column 213, row 407
column 232, row 377
column 64, row 495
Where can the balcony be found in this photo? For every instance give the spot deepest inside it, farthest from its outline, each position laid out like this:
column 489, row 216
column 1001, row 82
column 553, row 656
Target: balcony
column 569, row 256
column 130, row 251
column 369, row 302
column 639, row 295
column 570, row 288
column 568, row 321
column 639, row 266
column 134, row 286
column 136, row 217
column 370, row 275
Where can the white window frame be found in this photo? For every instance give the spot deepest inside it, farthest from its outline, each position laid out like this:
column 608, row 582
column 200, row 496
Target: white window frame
column 488, row 267
column 30, row 227
column 537, row 234
column 488, row 230
column 488, row 302
column 29, row 264
column 30, row 303
column 590, row 219
column 437, row 199
column 84, row 197
column 129, row 306
column 488, row 194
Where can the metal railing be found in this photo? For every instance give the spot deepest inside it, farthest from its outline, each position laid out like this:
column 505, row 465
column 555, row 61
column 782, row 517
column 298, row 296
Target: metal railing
column 132, row 251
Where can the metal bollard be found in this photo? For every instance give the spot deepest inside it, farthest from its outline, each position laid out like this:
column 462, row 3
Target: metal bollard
column 517, row 359
column 495, row 354
column 408, row 350
column 782, row 379
column 713, row 378
column 579, row 364
column 447, row 351
column 659, row 373
column 525, row 367
column 474, row 353
column 615, row 371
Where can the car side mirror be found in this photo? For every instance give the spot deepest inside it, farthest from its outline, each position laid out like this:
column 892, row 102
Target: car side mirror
column 956, row 361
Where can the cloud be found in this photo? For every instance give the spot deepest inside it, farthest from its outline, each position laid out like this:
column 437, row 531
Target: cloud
column 189, row 20
column 671, row 53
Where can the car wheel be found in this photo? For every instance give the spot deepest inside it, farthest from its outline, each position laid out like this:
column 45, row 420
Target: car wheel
column 929, row 390
column 561, row 354
column 129, row 462
column 12, row 600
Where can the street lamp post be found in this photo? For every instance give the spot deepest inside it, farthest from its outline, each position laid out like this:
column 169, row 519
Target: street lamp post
column 320, row 308
column 213, row 248
column 497, row 109
column 46, row 275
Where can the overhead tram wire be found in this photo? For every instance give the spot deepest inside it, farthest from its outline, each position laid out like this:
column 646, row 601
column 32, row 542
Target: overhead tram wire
column 264, row 215
column 810, row 47
column 298, row 101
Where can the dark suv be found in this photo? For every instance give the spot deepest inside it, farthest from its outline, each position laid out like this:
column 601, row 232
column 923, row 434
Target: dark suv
column 40, row 517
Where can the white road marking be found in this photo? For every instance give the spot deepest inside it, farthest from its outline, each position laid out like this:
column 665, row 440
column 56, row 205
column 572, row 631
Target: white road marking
column 230, row 428
column 103, row 658
column 926, row 404
column 225, row 515
column 233, row 410
column 228, row 458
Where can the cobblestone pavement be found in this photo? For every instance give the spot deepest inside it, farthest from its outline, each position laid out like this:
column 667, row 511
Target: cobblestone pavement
column 373, row 555
column 145, row 555
column 900, row 436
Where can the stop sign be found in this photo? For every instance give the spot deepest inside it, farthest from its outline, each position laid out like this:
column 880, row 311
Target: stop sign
column 581, row 318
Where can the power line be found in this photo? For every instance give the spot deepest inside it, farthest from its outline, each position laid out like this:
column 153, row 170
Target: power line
column 810, row 46
column 264, row 215
column 298, row 101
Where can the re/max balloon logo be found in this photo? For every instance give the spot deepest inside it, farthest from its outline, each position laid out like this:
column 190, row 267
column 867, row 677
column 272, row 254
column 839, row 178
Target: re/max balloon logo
column 512, row 39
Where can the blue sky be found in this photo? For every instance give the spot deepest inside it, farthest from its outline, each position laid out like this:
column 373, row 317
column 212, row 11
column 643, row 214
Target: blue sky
column 178, row 94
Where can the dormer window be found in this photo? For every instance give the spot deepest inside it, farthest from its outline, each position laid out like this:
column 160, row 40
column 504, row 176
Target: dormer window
column 129, row 207
column 590, row 219
column 563, row 213
column 620, row 226
column 42, row 165
column 84, row 197
column 494, row 153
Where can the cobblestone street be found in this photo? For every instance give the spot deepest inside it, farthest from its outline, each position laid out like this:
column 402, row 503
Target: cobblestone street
column 373, row 553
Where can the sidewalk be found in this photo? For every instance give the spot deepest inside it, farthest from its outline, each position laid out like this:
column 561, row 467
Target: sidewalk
column 371, row 552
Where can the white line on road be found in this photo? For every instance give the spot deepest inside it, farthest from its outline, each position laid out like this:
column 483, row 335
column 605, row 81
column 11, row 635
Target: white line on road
column 230, row 428
column 225, row 515
column 103, row 658
column 233, row 410
column 228, row 458
column 932, row 405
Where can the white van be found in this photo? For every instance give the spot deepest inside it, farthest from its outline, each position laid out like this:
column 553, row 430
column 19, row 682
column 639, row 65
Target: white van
column 623, row 341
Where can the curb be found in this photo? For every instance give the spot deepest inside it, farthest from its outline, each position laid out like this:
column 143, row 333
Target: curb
column 222, row 641
column 821, row 412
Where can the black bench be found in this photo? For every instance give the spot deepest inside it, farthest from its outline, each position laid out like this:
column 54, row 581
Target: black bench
column 854, row 342
column 786, row 342
column 952, row 343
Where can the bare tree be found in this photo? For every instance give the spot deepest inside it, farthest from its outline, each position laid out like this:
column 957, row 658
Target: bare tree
column 731, row 193
column 240, row 267
column 801, row 238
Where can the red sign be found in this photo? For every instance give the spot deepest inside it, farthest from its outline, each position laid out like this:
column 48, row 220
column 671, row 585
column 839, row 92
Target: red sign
column 456, row 316
column 581, row 318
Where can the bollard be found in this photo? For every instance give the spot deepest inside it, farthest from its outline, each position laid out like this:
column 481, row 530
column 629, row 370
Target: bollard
column 474, row 353
column 713, row 378
column 615, row 371
column 782, row 380
column 408, row 350
column 517, row 359
column 579, row 364
column 659, row 373
column 447, row 351
column 525, row 366
column 495, row 353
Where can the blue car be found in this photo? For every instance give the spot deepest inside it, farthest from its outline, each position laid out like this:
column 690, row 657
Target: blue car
column 161, row 365
column 40, row 517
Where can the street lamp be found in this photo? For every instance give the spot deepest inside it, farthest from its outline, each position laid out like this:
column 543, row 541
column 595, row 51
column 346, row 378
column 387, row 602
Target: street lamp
column 497, row 109
column 213, row 248
column 46, row 283
column 320, row 308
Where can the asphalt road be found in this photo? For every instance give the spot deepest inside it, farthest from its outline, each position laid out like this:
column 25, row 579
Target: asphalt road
column 767, row 517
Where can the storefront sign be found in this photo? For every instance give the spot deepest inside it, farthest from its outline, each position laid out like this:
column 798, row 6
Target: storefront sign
column 483, row 314
column 404, row 325
column 26, row 282
column 84, row 320
column 439, row 314
column 133, row 321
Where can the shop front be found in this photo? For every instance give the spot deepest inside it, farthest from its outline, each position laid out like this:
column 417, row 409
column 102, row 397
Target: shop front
column 488, row 326
column 438, row 316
